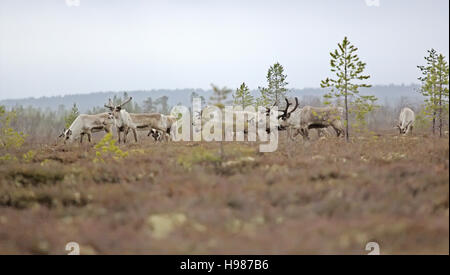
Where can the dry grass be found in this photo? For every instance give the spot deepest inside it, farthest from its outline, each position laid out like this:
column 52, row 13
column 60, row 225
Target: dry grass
column 322, row 197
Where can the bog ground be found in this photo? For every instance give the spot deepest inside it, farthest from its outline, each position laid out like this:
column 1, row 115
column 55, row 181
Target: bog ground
column 325, row 196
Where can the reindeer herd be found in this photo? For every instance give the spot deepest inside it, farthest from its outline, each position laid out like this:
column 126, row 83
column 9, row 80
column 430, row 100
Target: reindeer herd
column 296, row 121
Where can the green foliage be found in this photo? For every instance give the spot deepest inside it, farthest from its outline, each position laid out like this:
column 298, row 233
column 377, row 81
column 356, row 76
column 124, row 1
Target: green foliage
column 360, row 108
column 28, row 156
column 435, row 80
column 349, row 77
column 220, row 95
column 242, row 96
column 7, row 157
column 276, row 90
column 107, row 148
column 9, row 138
column 423, row 119
column 198, row 156
column 74, row 113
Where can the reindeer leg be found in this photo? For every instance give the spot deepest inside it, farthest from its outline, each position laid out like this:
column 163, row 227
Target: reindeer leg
column 305, row 134
column 135, row 135
column 168, row 134
column 338, row 131
column 81, row 138
column 89, row 137
column 118, row 133
column 125, row 135
column 291, row 135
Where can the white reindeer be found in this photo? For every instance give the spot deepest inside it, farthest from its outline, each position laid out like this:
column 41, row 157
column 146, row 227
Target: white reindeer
column 406, row 121
column 86, row 125
column 122, row 119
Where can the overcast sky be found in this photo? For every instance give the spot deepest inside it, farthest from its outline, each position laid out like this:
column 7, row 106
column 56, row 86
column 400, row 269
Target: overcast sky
column 50, row 48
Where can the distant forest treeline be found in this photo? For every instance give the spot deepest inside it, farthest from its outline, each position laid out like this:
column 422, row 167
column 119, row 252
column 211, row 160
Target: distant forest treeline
column 389, row 94
column 43, row 119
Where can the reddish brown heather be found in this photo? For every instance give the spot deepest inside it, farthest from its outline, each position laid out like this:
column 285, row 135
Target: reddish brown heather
column 321, row 197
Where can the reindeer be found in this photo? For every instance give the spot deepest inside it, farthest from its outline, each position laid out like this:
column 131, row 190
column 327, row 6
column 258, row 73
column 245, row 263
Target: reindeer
column 243, row 122
column 86, row 125
column 122, row 120
column 146, row 121
column 406, row 121
column 164, row 131
column 157, row 135
column 308, row 118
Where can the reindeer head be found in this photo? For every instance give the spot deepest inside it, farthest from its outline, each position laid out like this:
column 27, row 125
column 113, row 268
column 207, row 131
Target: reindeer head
column 402, row 129
column 285, row 115
column 66, row 134
column 114, row 109
column 63, row 134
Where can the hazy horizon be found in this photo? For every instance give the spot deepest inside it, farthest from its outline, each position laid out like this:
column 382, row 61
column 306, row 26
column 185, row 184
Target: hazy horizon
column 50, row 48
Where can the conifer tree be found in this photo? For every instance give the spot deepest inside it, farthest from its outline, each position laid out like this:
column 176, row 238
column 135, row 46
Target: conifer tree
column 242, row 96
column 349, row 77
column 276, row 90
column 73, row 114
column 219, row 97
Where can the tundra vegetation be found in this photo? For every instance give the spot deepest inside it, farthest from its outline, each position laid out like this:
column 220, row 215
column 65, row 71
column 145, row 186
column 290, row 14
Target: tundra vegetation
column 323, row 196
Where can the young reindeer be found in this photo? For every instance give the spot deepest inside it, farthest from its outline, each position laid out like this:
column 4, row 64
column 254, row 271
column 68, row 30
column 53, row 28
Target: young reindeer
column 162, row 129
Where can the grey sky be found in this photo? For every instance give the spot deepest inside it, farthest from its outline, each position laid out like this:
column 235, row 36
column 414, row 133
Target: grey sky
column 48, row 48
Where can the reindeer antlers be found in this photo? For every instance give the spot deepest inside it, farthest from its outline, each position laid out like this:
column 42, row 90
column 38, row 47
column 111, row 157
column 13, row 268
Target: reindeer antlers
column 111, row 106
column 287, row 114
column 296, row 106
column 126, row 101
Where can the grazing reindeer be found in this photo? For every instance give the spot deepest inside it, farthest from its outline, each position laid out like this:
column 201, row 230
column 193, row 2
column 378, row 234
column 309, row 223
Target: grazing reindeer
column 157, row 135
column 309, row 118
column 86, row 125
column 164, row 131
column 406, row 121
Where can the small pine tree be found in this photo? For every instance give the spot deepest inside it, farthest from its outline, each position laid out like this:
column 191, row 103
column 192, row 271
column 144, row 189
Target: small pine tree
column 442, row 94
column 276, row 90
column 73, row 114
column 242, row 96
column 219, row 97
column 360, row 107
column 435, row 81
column 348, row 68
column 429, row 86
column 9, row 138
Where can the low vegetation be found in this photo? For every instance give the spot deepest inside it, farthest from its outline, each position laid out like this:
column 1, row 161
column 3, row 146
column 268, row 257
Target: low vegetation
column 322, row 196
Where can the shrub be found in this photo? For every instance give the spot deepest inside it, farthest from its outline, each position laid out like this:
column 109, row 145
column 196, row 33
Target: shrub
column 198, row 156
column 107, row 148
column 9, row 138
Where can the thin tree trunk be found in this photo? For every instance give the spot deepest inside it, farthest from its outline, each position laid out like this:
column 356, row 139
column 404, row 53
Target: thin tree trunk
column 434, row 123
column 440, row 109
column 347, row 138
